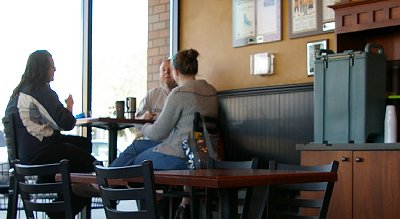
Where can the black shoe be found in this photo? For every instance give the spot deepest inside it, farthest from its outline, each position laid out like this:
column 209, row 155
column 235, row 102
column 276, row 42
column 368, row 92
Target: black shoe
column 183, row 212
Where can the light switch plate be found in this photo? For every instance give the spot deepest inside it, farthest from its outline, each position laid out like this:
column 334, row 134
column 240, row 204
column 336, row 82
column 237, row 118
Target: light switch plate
column 262, row 63
column 328, row 26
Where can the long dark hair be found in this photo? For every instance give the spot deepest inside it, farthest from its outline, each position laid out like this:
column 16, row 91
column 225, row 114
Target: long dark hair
column 36, row 71
column 185, row 61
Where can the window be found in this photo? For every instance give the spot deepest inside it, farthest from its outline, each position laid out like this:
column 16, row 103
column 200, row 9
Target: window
column 42, row 24
column 119, row 56
column 119, row 59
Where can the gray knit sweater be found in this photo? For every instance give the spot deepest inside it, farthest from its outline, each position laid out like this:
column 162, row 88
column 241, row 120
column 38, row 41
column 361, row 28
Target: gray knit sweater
column 176, row 119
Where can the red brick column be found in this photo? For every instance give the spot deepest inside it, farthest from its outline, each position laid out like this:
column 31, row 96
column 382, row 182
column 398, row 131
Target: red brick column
column 158, row 39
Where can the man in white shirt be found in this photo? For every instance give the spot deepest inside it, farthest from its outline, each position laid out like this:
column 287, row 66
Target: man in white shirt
column 152, row 104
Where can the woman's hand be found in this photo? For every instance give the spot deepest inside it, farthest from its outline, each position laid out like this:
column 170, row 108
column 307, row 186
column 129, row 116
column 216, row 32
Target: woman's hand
column 147, row 116
column 70, row 102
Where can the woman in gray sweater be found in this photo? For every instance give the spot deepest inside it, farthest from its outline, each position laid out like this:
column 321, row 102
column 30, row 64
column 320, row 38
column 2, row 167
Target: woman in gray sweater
column 175, row 121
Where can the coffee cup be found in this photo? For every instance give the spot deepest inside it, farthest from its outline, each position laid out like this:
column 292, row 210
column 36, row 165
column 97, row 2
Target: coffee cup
column 130, row 107
column 119, row 109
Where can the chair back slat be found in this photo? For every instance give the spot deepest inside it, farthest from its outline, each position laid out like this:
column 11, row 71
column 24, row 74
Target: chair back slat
column 41, row 188
column 320, row 168
column 248, row 164
column 144, row 193
column 35, row 170
column 124, row 194
column 305, row 186
column 46, row 207
column 309, row 203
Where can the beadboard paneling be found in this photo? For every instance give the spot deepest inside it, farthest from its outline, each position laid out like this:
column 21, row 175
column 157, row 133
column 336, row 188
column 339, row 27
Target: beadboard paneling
column 266, row 122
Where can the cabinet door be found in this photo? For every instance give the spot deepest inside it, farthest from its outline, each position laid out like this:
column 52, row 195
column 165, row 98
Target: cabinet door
column 341, row 201
column 376, row 190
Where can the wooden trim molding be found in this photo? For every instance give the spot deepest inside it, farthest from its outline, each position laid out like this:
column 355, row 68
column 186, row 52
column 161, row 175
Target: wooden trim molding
column 268, row 90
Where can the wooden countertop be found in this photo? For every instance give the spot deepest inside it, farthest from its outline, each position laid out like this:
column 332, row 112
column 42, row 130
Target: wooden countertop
column 348, row 147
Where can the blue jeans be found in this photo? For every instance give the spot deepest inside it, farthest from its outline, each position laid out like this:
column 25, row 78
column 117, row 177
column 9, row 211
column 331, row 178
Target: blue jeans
column 141, row 150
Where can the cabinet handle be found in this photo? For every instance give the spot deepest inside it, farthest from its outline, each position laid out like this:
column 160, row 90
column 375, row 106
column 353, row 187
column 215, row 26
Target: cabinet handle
column 344, row 159
column 359, row 159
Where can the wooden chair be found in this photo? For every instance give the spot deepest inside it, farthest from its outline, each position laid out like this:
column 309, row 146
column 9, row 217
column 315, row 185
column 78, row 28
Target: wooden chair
column 31, row 190
column 303, row 200
column 144, row 193
column 212, row 195
column 175, row 194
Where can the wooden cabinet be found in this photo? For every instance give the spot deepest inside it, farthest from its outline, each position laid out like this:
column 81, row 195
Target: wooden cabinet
column 368, row 183
column 372, row 21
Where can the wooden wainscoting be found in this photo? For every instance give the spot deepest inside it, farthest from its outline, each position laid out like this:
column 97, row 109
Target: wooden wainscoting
column 266, row 122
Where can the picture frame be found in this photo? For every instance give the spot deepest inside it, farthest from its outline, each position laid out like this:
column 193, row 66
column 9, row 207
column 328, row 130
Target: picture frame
column 255, row 21
column 306, row 18
column 328, row 14
column 312, row 49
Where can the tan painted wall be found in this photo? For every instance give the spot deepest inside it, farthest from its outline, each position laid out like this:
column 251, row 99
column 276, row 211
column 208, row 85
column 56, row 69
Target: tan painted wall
column 206, row 25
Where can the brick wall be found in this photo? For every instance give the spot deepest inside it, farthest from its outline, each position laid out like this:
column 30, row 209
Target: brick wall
column 158, row 39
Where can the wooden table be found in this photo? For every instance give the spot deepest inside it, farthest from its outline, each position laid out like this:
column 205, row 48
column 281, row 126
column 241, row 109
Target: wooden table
column 225, row 180
column 113, row 125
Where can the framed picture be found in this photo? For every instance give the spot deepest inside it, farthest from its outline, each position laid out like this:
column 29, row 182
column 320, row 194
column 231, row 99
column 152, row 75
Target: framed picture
column 268, row 20
column 312, row 49
column 255, row 21
column 307, row 17
column 328, row 14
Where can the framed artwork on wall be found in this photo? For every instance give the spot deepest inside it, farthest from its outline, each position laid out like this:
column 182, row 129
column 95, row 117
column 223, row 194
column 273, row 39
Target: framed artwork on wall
column 255, row 21
column 312, row 49
column 310, row 17
column 328, row 15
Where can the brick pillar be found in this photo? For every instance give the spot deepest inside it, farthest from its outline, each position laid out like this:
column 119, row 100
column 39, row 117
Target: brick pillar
column 158, row 39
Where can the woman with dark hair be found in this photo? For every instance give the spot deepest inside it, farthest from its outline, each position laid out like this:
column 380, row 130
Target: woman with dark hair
column 40, row 116
column 175, row 121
